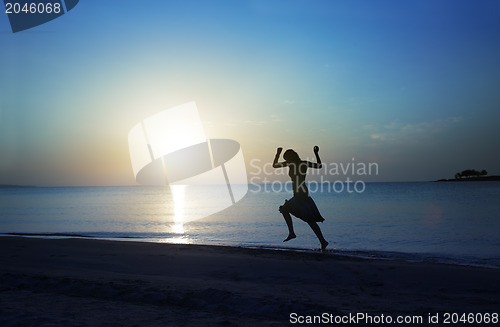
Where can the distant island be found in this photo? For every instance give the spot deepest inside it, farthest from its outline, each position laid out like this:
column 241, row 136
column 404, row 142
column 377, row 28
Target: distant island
column 471, row 175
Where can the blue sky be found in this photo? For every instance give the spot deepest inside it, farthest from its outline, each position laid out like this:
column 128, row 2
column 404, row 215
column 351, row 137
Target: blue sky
column 411, row 85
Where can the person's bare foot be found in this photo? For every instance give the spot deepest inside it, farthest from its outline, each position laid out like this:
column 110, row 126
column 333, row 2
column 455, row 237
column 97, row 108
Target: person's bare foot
column 323, row 246
column 290, row 237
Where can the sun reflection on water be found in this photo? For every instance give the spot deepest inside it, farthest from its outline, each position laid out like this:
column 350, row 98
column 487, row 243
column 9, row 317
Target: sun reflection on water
column 178, row 192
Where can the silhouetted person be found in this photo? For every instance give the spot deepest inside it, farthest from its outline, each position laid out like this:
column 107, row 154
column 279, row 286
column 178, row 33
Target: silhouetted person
column 301, row 205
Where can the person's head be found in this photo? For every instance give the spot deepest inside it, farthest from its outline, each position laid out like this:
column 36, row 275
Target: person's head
column 291, row 156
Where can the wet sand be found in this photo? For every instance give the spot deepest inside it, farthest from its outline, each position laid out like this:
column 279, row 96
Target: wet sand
column 85, row 282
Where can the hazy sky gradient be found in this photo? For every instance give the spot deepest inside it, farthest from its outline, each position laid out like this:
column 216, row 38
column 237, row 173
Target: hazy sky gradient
column 411, row 85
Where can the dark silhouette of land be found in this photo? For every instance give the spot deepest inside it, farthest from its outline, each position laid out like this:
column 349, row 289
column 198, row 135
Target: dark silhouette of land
column 471, row 179
column 471, row 175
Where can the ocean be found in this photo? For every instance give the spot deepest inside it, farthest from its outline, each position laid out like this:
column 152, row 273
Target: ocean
column 445, row 222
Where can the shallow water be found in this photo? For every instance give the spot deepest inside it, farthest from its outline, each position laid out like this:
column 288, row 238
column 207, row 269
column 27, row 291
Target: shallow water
column 427, row 221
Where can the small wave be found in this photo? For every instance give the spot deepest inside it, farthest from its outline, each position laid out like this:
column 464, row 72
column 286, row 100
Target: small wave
column 47, row 235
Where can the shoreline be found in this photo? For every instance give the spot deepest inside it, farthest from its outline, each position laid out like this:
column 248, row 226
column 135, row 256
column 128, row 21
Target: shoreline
column 384, row 255
column 88, row 282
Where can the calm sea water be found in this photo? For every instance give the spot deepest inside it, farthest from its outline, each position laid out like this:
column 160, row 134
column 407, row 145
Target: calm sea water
column 438, row 222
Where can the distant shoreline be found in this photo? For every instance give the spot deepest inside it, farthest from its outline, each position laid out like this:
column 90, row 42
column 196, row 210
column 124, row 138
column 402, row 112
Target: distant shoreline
column 472, row 179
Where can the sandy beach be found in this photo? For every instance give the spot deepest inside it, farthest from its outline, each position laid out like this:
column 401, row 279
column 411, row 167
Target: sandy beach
column 83, row 282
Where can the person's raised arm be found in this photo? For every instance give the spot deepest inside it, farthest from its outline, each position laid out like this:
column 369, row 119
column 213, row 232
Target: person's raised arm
column 277, row 164
column 317, row 164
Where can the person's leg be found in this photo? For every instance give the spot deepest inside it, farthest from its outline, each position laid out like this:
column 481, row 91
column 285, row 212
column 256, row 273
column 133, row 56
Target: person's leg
column 288, row 219
column 289, row 223
column 314, row 226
